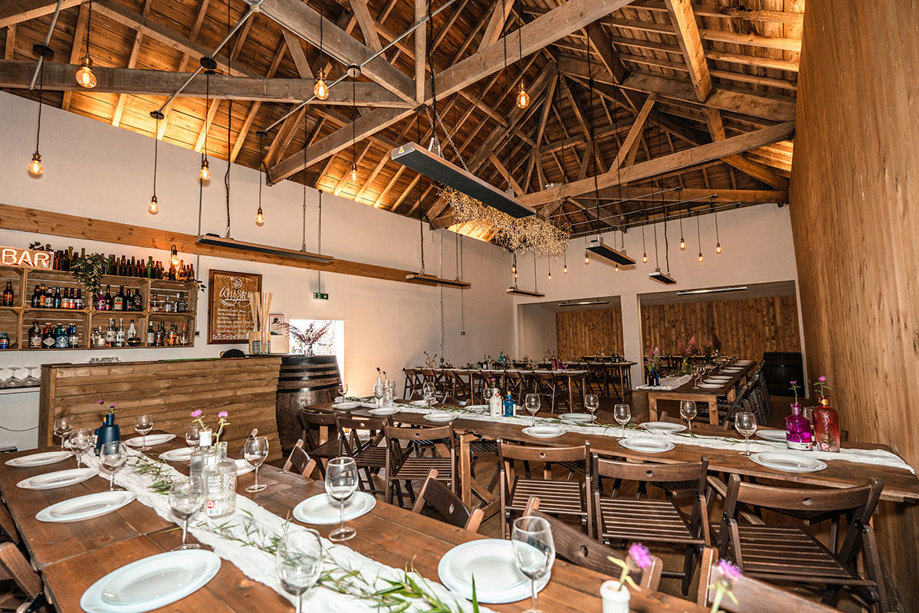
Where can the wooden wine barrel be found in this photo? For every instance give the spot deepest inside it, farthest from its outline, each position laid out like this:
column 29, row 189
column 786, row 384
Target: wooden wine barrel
column 303, row 381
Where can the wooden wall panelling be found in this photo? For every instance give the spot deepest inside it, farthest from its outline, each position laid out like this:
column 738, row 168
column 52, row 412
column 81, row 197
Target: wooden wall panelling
column 170, row 391
column 589, row 332
column 854, row 188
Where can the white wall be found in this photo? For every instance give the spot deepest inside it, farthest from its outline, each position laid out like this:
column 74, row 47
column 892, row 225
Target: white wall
column 537, row 331
column 94, row 170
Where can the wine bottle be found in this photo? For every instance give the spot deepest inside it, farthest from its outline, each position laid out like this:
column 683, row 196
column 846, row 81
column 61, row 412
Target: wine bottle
column 8, row 298
column 118, row 301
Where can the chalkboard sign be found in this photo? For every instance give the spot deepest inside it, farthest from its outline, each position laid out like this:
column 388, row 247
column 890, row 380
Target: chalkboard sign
column 229, row 316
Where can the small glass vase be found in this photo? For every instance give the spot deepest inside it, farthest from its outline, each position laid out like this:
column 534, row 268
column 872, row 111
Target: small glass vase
column 826, row 427
column 614, row 597
column 219, row 477
column 798, row 430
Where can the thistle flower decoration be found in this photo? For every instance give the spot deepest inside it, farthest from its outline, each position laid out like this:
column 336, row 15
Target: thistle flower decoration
column 639, row 558
column 823, row 388
column 111, row 407
column 794, row 387
column 222, row 423
column 723, row 582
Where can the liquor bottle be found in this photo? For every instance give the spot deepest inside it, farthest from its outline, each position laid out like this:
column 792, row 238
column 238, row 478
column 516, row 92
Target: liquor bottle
column 49, row 298
column 798, row 430
column 61, row 341
column 79, row 303
column 110, row 334
column 118, row 301
column 494, row 401
column 151, row 335
column 35, row 336
column 148, row 271
column 168, row 305
column 191, row 273
column 109, row 302
column 47, row 338
column 133, row 338
column 36, row 298
column 8, row 298
column 161, row 335
column 509, row 406
column 73, row 337
column 826, row 426
column 65, row 299
column 183, row 338
column 181, row 304
column 138, row 301
column 57, row 298
column 173, row 336
column 120, row 336
column 219, row 473
column 155, row 304
column 99, row 338
column 100, row 301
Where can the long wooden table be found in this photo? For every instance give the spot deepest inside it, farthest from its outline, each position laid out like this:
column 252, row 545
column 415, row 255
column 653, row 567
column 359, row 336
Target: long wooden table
column 74, row 556
column 688, row 391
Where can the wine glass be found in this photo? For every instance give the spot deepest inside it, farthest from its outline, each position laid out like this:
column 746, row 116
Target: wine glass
column 63, row 426
column 186, row 495
column 592, row 403
column 298, row 562
column 30, row 380
column 531, row 402
column 622, row 413
column 698, row 372
column 80, row 440
column 745, row 423
column 534, row 551
column 340, row 482
column 142, row 425
column 378, row 391
column 112, row 456
column 193, row 435
column 256, row 451
column 343, row 390
column 14, row 381
column 429, row 392
column 688, row 411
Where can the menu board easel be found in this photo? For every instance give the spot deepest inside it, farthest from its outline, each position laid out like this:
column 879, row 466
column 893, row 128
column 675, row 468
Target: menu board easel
column 229, row 316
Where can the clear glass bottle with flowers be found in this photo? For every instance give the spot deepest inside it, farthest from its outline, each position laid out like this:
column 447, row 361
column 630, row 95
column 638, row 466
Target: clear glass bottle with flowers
column 210, row 464
column 826, row 420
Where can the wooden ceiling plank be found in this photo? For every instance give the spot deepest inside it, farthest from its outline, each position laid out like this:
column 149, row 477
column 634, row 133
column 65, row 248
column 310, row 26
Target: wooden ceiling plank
column 687, row 34
column 132, row 62
column 504, row 172
column 366, row 23
column 9, row 46
column 283, row 138
column 499, row 14
column 628, row 144
column 208, row 120
column 18, row 11
column 79, row 34
column 421, row 37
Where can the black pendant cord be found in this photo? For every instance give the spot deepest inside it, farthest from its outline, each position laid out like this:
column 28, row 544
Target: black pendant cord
column 89, row 26
column 261, row 165
column 657, row 255
column 698, row 235
column 507, row 136
column 319, row 238
column 353, row 126
column 156, row 148
column 421, row 233
column 429, row 36
column 321, row 19
column 41, row 91
column 207, row 109
column 226, row 177
column 666, row 242
column 593, row 140
column 306, row 138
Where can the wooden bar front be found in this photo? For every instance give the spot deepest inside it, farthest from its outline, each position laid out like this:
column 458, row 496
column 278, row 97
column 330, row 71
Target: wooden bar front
column 169, row 390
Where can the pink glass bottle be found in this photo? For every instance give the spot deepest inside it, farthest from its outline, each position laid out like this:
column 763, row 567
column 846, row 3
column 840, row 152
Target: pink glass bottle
column 826, row 427
column 798, row 430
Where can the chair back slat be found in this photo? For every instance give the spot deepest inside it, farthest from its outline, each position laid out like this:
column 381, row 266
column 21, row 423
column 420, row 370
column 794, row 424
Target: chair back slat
column 651, row 473
column 796, row 499
column 419, row 434
column 447, row 504
column 299, row 461
column 349, row 426
column 543, row 454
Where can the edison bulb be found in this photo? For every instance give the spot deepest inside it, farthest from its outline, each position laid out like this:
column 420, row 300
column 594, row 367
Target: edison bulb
column 523, row 98
column 205, row 173
column 259, row 217
column 565, row 270
column 354, row 173
column 35, row 167
column 617, row 267
column 154, row 207
column 550, row 276
column 718, row 248
column 587, row 258
column 85, row 76
column 700, row 256
column 644, row 258
column 321, row 89
column 682, row 244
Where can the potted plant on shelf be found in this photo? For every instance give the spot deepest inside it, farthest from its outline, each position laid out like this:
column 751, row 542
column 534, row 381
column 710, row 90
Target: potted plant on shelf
column 89, row 270
column 309, row 336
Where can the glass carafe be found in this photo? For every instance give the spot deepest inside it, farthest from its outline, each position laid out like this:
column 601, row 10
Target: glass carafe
column 219, row 473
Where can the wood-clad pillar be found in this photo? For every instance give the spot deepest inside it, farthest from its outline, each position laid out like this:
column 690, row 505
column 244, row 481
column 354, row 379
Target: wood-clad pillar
column 855, row 218
column 631, row 335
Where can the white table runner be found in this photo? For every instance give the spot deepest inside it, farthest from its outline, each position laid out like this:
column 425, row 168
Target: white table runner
column 667, row 383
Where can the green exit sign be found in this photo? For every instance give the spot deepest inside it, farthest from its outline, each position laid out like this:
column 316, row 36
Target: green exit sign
column 320, row 296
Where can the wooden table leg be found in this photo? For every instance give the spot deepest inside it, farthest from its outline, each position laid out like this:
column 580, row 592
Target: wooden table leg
column 713, row 411
column 465, row 470
column 652, row 407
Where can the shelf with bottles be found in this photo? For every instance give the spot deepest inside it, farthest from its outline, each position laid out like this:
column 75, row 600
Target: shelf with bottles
column 11, row 287
column 44, row 291
column 117, row 333
column 172, row 297
column 44, row 331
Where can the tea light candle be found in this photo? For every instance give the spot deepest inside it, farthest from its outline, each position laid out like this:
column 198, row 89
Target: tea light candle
column 615, row 600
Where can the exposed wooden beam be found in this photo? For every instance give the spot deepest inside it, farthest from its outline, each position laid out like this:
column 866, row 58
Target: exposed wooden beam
column 726, row 12
column 18, row 11
column 132, row 62
column 208, row 120
column 628, row 144
column 687, row 34
column 505, row 173
column 79, row 34
column 499, row 14
column 255, row 106
column 421, row 37
column 283, row 138
column 297, row 54
column 9, row 47
column 676, row 161
column 367, row 24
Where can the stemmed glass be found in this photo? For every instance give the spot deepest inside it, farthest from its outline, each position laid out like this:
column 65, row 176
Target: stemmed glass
column 592, row 403
column 534, row 551
column 142, row 425
column 30, row 380
column 341, row 480
column 298, row 562
column 63, row 426
column 622, row 413
column 4, row 382
column 256, row 451
column 429, row 392
column 343, row 390
column 14, row 381
column 186, row 495
column 80, row 440
column 112, row 456
column 193, row 435
column 698, row 373
column 745, row 423
column 531, row 402
column 688, row 411
column 378, row 391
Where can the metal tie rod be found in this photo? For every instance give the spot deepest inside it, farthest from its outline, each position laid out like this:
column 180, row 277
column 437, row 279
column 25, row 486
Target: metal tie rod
column 41, row 58
column 663, row 191
column 254, row 7
column 657, row 208
column 377, row 54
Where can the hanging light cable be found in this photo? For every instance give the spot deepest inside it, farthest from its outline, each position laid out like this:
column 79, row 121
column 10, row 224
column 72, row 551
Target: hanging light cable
column 682, row 240
column 699, row 237
column 205, row 173
column 321, row 88
column 523, row 98
column 717, row 237
column 153, row 208
column 644, row 249
column 259, row 215
column 353, row 132
column 226, row 176
column 35, row 167
column 549, row 267
column 85, row 76
column 306, row 141
column 565, row 269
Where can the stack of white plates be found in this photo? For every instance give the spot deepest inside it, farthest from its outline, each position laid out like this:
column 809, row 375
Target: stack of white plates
column 711, row 386
column 646, row 444
column 788, row 462
column 151, row 583
column 60, row 478
column 577, row 418
column 151, row 440
column 39, row 459
column 182, row 454
column 491, row 563
column 383, row 411
column 85, row 507
column 543, row 431
column 662, row 427
column 321, row 510
column 440, row 417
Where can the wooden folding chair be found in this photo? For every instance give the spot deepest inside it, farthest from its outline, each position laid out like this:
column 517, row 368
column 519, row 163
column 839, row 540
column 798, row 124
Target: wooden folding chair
column 404, row 465
column 447, row 504
column 762, row 551
column 299, row 461
column 312, row 423
column 13, row 566
column 369, row 454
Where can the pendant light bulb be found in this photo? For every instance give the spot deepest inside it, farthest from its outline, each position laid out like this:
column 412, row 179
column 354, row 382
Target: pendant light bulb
column 353, row 172
column 174, row 256
column 260, row 217
column 514, row 269
column 205, row 173
column 85, row 76
column 586, row 258
column 682, row 244
column 321, row 88
column 35, row 167
column 617, row 267
column 523, row 98
column 700, row 256
column 718, row 248
column 644, row 258
column 154, row 207
column 565, row 270
column 550, row 276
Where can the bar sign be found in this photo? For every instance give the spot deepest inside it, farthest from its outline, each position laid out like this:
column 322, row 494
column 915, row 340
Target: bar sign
column 320, row 296
column 25, row 258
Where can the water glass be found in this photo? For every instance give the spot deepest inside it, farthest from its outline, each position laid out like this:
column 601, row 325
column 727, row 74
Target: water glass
column 256, row 451
column 688, row 411
column 745, row 423
column 534, row 551
column 592, row 403
column 186, row 495
column 388, row 398
column 142, row 425
column 112, row 457
column 80, row 440
column 622, row 413
column 63, row 426
column 343, row 390
column 298, row 562
column 341, row 481
column 531, row 402
column 429, row 392
column 193, row 435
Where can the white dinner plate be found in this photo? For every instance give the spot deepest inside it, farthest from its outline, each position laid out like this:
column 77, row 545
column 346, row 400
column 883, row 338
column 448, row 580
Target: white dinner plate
column 152, row 439
column 477, row 408
column 717, row 380
column 346, row 406
column 418, row 403
column 440, row 418
column 60, row 478
column 777, row 436
column 788, row 462
column 720, row 378
column 744, row 362
column 711, row 386
column 39, row 459
column 182, row 454
column 384, row 411
column 151, row 583
column 663, row 427
column 243, row 468
column 320, row 510
column 577, row 418
column 543, row 431
column 732, row 370
column 646, row 444
column 85, row 507
column 491, row 562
